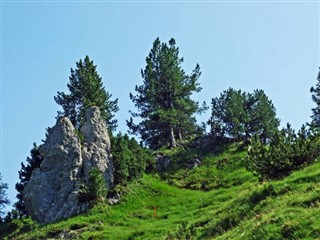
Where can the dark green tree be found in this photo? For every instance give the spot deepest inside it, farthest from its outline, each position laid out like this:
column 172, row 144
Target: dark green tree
column 129, row 158
column 86, row 89
column 3, row 195
column 95, row 190
column 316, row 98
column 241, row 115
column 285, row 152
column 164, row 99
column 33, row 162
column 260, row 115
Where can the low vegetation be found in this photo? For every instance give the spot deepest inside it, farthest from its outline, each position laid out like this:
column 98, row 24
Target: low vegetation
column 220, row 199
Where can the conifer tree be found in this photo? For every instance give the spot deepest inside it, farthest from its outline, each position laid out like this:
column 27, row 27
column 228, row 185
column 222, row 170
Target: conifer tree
column 34, row 161
column 241, row 115
column 285, row 152
column 129, row 158
column 316, row 98
column 3, row 195
column 86, row 89
column 164, row 99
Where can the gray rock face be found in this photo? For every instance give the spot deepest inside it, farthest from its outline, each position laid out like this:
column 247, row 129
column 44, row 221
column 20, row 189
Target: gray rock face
column 52, row 191
column 96, row 149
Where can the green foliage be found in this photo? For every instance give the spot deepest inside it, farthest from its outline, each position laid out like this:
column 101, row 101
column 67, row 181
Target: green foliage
column 184, row 232
column 3, row 195
column 86, row 90
column 164, row 99
column 316, row 99
column 285, row 152
column 25, row 172
column 284, row 209
column 241, row 115
column 17, row 225
column 222, row 170
column 95, row 190
column 129, row 158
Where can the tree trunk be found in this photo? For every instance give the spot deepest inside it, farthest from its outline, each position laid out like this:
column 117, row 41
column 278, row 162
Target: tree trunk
column 179, row 135
column 172, row 140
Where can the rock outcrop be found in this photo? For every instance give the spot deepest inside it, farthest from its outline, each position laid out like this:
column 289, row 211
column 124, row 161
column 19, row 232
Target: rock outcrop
column 52, row 191
column 96, row 147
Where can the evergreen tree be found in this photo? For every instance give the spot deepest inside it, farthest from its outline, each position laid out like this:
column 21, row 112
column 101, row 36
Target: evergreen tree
column 241, row 115
column 33, row 162
column 261, row 115
column 316, row 98
column 129, row 158
column 86, row 89
column 164, row 99
column 95, row 189
column 286, row 152
column 3, row 195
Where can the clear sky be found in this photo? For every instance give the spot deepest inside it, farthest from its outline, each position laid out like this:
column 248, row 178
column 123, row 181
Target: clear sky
column 270, row 45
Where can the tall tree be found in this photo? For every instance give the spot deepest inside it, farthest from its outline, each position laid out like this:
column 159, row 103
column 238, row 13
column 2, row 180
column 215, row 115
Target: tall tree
column 34, row 161
column 3, row 195
column 241, row 115
column 86, row 89
column 164, row 99
column 316, row 98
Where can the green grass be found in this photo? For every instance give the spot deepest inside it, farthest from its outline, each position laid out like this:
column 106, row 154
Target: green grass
column 218, row 200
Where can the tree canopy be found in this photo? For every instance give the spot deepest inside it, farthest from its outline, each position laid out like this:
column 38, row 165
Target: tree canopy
column 164, row 99
column 316, row 99
column 25, row 173
column 3, row 195
column 86, row 89
column 241, row 115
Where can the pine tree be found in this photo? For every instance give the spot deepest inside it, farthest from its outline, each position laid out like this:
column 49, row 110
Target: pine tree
column 86, row 89
column 261, row 115
column 129, row 158
column 33, row 162
column 285, row 152
column 3, row 195
column 316, row 98
column 241, row 115
column 164, row 99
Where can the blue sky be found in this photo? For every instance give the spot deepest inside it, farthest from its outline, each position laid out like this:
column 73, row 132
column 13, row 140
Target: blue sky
column 268, row 45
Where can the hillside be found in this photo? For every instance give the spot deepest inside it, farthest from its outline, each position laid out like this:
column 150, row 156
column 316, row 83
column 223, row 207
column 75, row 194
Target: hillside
column 219, row 199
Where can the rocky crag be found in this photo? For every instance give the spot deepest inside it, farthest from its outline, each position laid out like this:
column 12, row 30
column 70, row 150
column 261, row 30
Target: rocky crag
column 52, row 191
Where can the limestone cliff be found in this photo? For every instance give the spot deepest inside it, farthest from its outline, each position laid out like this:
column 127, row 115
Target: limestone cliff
column 52, row 191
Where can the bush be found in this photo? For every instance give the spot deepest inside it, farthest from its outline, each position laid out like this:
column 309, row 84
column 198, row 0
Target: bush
column 285, row 152
column 95, row 190
column 129, row 159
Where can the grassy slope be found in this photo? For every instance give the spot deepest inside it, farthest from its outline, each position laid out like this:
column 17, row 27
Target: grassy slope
column 226, row 202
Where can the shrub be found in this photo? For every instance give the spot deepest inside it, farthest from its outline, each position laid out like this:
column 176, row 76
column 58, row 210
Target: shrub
column 285, row 152
column 95, row 190
column 129, row 159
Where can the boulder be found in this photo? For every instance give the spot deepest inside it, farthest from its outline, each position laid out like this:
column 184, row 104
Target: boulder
column 162, row 162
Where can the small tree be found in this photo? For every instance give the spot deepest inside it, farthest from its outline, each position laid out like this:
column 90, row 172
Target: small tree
column 316, row 98
column 129, row 159
column 241, row 115
column 95, row 190
column 86, row 89
column 3, row 195
column 34, row 161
